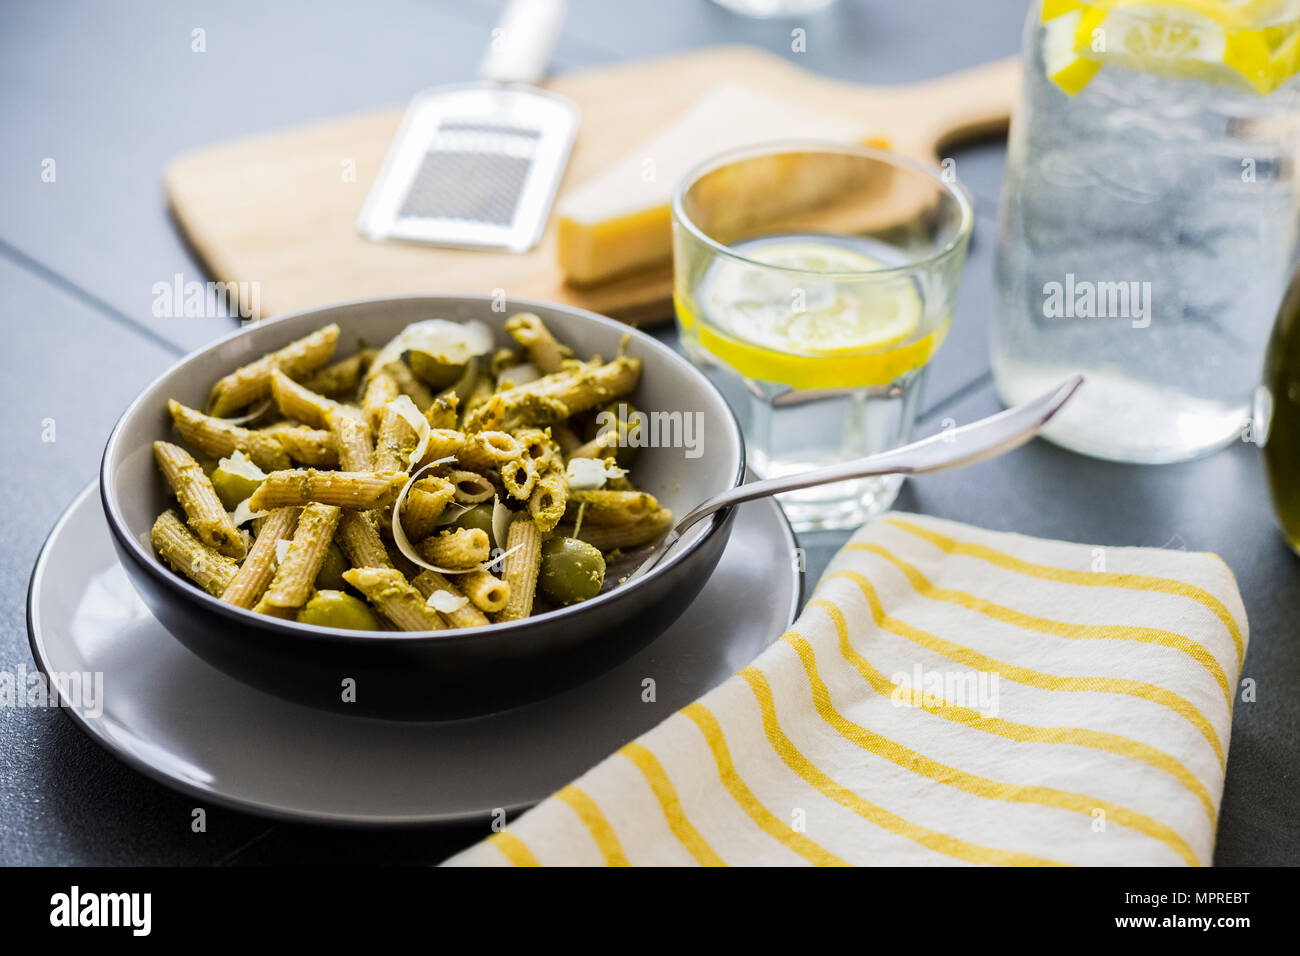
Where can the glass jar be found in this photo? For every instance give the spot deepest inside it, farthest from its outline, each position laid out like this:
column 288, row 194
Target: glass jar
column 1149, row 218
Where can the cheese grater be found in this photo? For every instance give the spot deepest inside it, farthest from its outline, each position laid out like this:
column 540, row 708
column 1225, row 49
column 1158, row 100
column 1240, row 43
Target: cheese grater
column 477, row 165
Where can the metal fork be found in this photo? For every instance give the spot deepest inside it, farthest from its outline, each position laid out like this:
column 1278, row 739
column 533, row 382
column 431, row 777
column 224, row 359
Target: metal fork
column 967, row 445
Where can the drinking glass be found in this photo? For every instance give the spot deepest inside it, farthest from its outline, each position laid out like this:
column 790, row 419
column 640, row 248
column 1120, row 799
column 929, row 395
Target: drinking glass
column 813, row 283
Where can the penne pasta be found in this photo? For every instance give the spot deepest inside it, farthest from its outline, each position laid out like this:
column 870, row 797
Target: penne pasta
column 187, row 555
column 220, row 439
column 300, row 403
column 522, row 563
column 310, row 446
column 251, row 580
column 393, row 596
column 466, row 614
column 566, row 393
column 204, row 512
column 358, row 490
column 485, row 590
column 461, row 548
column 296, row 574
column 395, row 441
column 610, row 537
column 443, row 443
column 470, row 487
column 541, row 448
column 252, row 382
column 360, row 541
column 488, row 415
column 356, row 451
column 519, row 477
column 612, row 507
column 549, row 499
column 381, row 388
column 424, row 505
column 488, row 449
column 544, row 352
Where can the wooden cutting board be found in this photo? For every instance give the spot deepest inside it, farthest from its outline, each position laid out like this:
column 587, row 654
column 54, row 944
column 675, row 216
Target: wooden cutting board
column 280, row 209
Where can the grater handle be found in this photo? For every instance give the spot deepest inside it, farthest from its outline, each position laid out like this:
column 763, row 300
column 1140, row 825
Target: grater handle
column 522, row 42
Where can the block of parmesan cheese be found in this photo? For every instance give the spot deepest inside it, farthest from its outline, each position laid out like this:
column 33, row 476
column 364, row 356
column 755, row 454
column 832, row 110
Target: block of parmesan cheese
column 620, row 221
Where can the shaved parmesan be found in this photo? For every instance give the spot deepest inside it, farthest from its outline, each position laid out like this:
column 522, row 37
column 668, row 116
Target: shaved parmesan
column 588, row 474
column 453, row 342
column 282, row 549
column 240, row 464
column 255, row 414
column 403, row 405
column 501, row 518
column 446, row 602
column 244, row 513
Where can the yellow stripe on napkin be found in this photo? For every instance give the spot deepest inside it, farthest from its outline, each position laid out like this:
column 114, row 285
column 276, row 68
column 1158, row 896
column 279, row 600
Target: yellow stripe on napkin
column 948, row 696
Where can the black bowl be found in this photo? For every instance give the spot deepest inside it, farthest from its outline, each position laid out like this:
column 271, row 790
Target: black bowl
column 430, row 675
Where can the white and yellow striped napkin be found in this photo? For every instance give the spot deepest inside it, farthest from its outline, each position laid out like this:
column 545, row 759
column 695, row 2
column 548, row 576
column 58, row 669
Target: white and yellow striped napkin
column 949, row 695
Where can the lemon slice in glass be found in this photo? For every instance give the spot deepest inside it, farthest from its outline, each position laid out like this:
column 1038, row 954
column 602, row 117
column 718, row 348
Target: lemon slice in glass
column 819, row 320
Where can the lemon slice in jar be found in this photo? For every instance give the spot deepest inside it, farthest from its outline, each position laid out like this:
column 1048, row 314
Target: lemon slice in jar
column 1243, row 44
column 823, row 326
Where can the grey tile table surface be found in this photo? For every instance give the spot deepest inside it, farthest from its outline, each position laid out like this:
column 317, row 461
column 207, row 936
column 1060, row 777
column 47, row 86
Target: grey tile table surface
column 110, row 92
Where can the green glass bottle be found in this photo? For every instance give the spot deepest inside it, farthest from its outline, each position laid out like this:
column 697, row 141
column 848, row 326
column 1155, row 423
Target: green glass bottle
column 1277, row 415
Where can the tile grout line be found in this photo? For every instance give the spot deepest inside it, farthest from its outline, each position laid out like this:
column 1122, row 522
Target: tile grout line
column 84, row 296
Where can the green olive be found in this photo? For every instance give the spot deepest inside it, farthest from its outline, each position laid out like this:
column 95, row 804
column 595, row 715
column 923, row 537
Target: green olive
column 330, row 575
column 480, row 516
column 434, row 370
column 336, row 609
column 571, row 571
column 232, row 488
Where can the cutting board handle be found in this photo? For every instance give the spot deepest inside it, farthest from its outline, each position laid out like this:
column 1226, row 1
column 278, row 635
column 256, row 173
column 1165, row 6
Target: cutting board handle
column 965, row 105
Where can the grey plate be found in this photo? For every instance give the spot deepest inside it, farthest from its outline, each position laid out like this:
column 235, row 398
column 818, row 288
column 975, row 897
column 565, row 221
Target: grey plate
column 177, row 719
